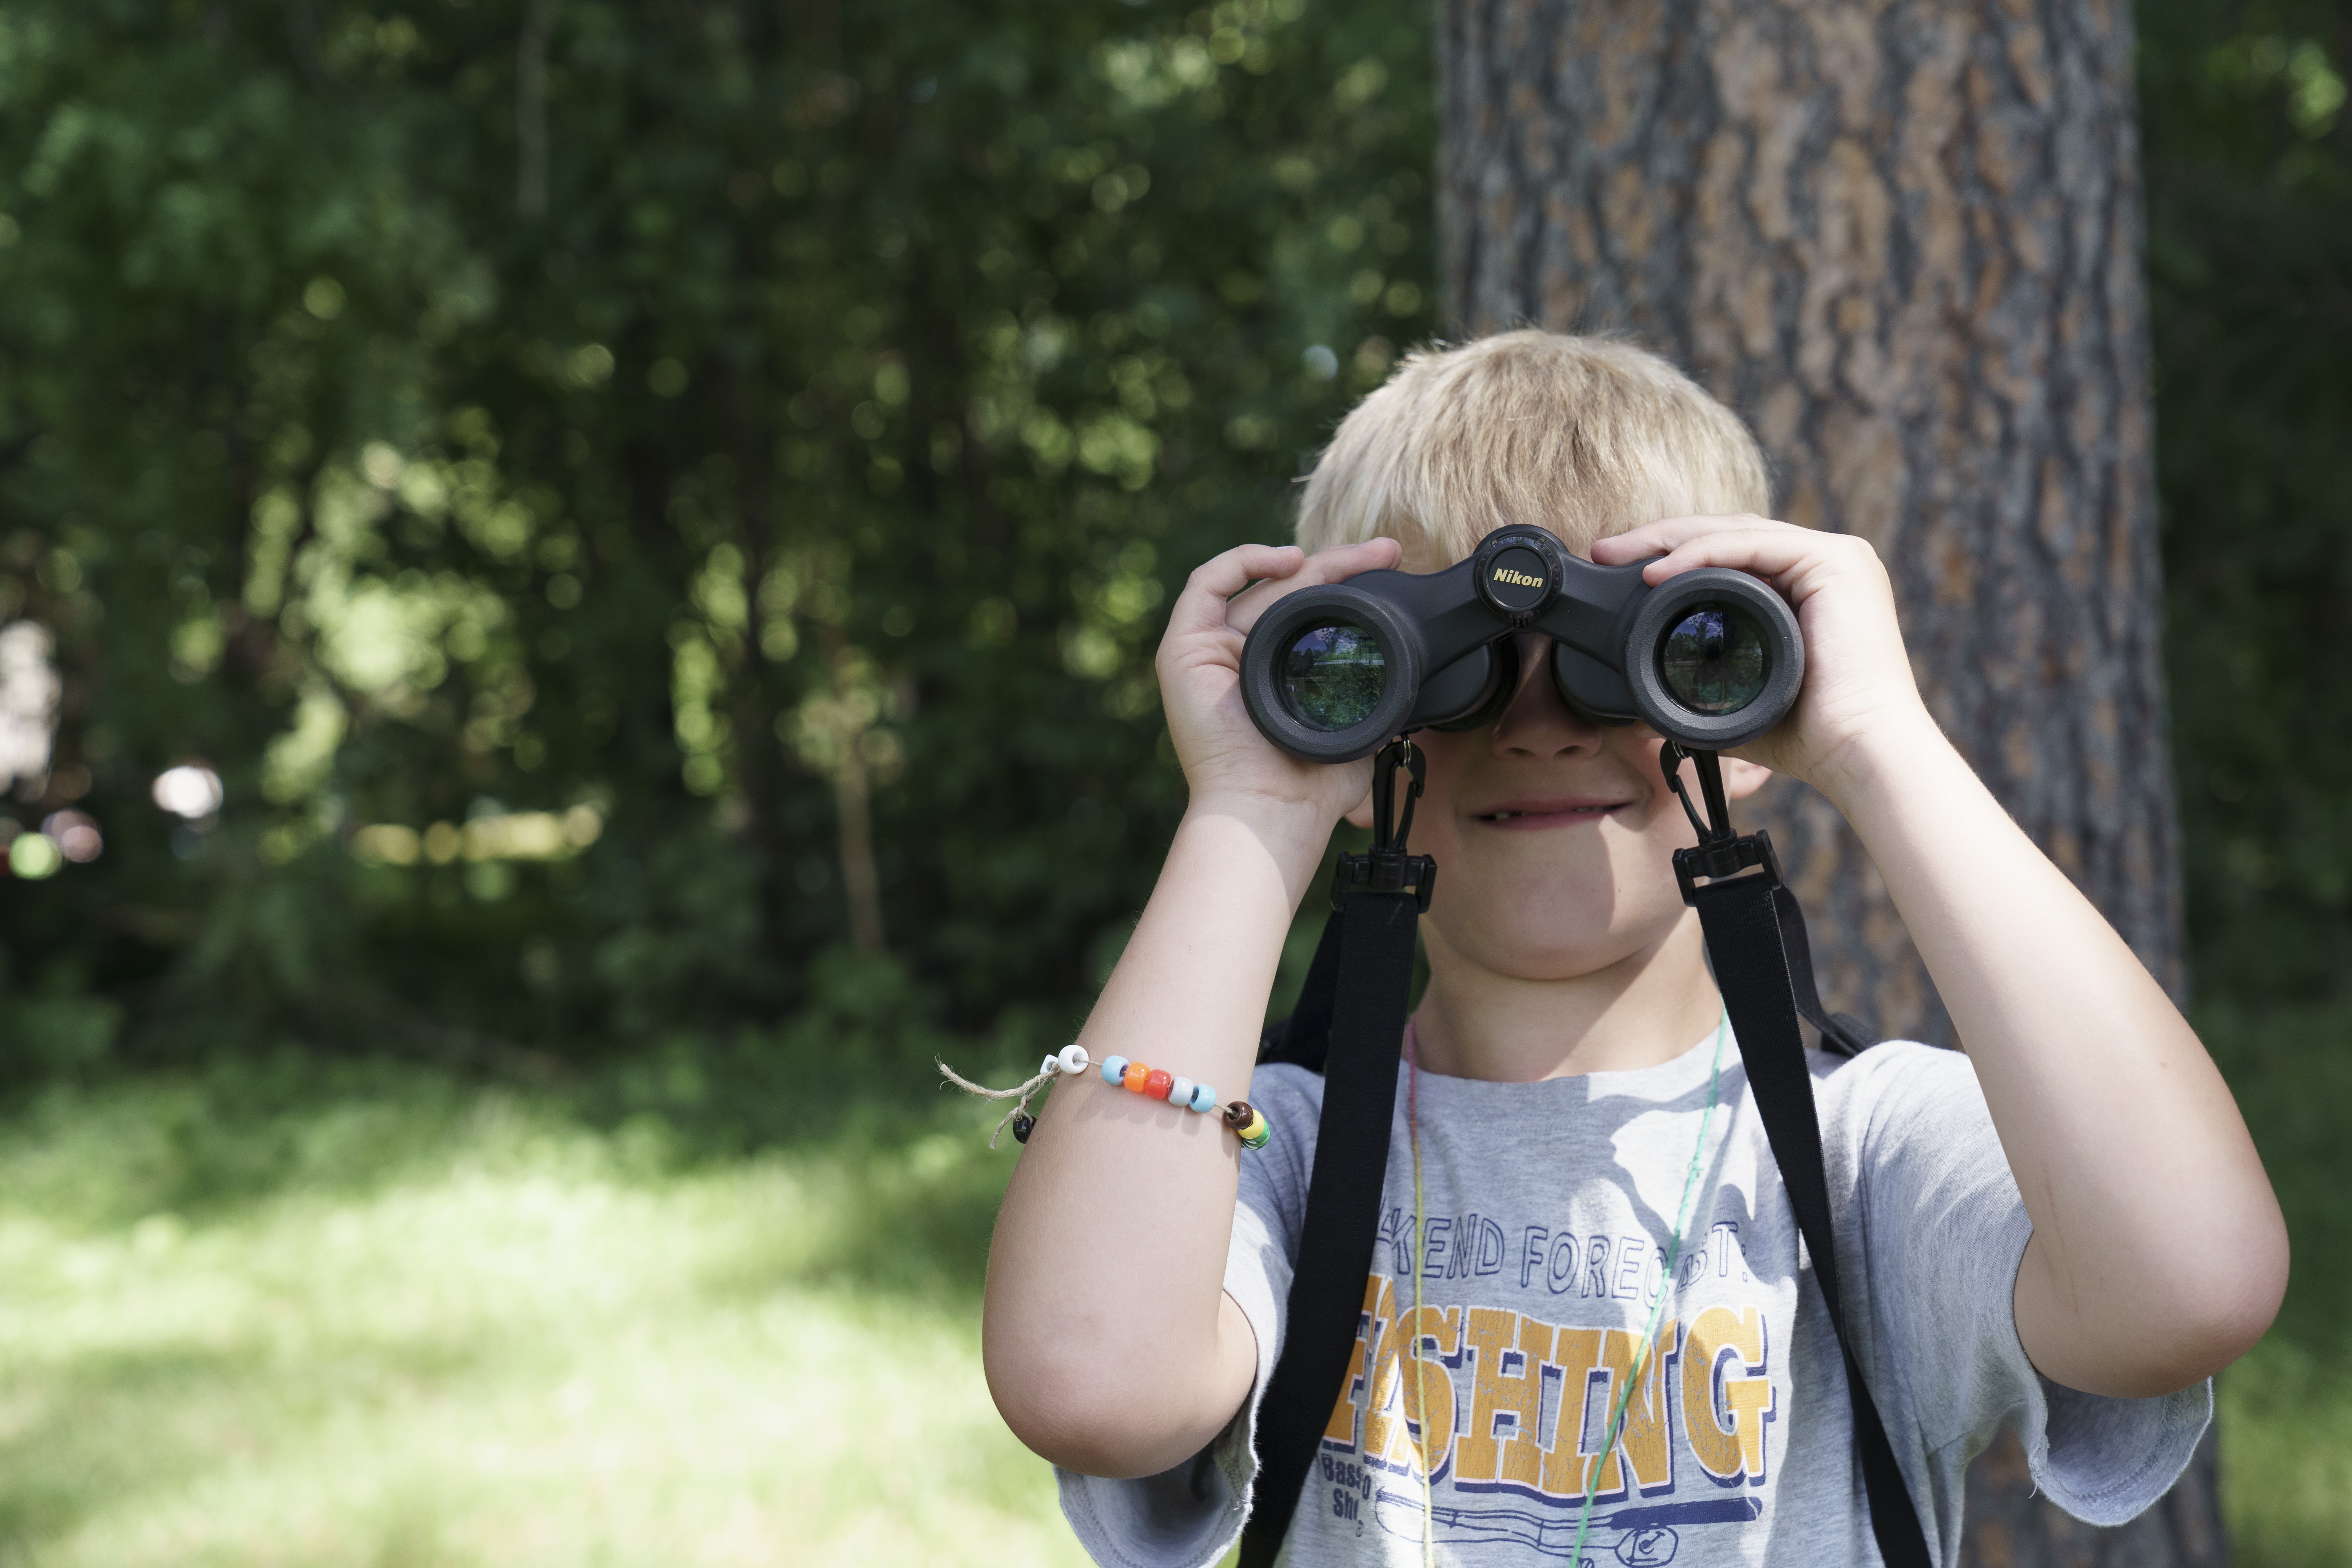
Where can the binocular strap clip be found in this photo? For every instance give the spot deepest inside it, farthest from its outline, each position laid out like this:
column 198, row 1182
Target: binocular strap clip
column 1388, row 868
column 1719, row 853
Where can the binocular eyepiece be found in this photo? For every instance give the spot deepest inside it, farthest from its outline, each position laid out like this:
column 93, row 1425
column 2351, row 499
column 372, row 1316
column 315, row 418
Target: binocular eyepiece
column 1710, row 660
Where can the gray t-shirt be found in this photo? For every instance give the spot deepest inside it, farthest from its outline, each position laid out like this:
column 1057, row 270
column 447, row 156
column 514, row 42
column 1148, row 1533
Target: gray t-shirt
column 1550, row 1210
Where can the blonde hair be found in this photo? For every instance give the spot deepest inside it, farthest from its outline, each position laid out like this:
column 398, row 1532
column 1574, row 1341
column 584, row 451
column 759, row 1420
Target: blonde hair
column 1585, row 437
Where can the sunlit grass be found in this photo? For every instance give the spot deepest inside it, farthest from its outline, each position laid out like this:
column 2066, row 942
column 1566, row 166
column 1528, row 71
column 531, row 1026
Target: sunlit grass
column 382, row 1317
column 409, row 1322
column 2286, row 1408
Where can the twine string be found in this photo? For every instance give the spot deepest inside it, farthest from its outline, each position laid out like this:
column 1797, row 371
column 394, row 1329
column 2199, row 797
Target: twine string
column 1019, row 1094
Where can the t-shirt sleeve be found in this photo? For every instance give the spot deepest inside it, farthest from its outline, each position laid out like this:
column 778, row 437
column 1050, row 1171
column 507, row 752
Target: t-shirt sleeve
column 1189, row 1516
column 1944, row 1231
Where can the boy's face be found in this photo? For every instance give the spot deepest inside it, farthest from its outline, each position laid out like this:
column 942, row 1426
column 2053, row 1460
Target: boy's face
column 1554, row 837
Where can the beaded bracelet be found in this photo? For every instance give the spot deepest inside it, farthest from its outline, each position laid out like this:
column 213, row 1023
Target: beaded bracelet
column 1156, row 1083
column 1247, row 1123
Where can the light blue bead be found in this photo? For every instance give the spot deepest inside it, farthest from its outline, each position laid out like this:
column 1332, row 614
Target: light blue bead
column 1205, row 1099
column 1113, row 1069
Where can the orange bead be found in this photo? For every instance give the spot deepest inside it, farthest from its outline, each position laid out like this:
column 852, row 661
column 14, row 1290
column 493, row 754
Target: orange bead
column 1138, row 1078
column 1158, row 1085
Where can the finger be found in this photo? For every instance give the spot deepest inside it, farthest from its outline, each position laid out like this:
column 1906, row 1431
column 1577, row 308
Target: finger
column 1201, row 607
column 1775, row 554
column 1667, row 534
column 1343, row 561
column 1334, row 565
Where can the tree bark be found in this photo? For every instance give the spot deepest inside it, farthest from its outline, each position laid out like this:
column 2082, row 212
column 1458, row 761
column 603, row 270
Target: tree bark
column 1902, row 238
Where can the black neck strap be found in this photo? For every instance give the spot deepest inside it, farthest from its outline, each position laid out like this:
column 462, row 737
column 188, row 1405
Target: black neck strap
column 1350, row 1025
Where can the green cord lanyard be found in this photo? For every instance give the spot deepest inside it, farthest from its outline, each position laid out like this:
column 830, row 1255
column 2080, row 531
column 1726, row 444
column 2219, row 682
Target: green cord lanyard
column 1649, row 1333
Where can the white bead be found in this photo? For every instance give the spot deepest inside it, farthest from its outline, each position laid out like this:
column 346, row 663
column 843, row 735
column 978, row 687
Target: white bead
column 1181, row 1092
column 1074, row 1058
column 1050, row 1066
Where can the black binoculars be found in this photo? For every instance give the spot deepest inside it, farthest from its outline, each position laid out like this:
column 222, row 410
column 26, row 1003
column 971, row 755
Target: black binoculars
column 1710, row 660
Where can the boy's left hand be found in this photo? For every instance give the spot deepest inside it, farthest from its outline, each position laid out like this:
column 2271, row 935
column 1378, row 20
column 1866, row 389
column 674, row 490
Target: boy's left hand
column 1858, row 683
column 2086, row 1064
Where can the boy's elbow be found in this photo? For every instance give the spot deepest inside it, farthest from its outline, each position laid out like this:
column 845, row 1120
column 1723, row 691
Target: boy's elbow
column 2221, row 1314
column 1075, row 1412
column 2234, row 1311
column 2170, row 1331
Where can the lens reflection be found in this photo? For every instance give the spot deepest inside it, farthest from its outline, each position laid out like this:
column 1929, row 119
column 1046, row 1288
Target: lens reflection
column 1713, row 660
column 1332, row 677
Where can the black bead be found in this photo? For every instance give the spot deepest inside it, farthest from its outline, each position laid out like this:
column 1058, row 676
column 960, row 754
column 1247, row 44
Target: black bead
column 1021, row 1124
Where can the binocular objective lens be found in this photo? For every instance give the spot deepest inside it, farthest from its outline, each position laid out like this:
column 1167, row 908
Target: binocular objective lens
column 1714, row 660
column 1332, row 677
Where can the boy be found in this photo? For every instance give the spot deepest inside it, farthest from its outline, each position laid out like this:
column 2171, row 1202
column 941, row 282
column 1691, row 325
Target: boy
column 1589, row 1315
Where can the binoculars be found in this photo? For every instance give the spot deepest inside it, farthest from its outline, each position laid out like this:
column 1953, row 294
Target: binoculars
column 1709, row 659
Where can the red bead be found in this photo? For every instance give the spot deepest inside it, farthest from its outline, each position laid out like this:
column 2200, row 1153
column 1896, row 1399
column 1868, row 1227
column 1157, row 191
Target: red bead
column 1138, row 1076
column 1158, row 1085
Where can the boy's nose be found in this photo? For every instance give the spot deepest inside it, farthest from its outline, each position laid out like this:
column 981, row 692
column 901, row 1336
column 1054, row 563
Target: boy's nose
column 1538, row 722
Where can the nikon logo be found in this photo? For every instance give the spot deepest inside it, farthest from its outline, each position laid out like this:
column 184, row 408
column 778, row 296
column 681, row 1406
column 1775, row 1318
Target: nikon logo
column 1517, row 579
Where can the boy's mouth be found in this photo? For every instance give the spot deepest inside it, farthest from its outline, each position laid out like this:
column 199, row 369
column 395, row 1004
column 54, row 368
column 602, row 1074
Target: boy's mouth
column 1565, row 811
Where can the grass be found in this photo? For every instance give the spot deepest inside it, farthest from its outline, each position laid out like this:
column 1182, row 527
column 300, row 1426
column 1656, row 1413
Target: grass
column 2286, row 1408
column 381, row 1316
column 401, row 1320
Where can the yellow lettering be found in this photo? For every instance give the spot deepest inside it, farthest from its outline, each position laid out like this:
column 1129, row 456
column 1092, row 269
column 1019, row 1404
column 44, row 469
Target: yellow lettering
column 1727, row 1430
column 1408, row 1424
column 1645, row 1440
column 1515, row 1457
column 1648, row 1440
column 1577, row 1354
column 1750, row 1399
column 1355, row 1388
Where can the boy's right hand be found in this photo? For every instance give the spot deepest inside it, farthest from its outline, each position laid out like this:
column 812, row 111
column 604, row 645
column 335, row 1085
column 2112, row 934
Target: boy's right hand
column 1224, row 758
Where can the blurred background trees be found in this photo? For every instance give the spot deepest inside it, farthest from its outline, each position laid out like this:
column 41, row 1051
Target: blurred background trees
column 621, row 543
column 648, row 512
column 642, row 522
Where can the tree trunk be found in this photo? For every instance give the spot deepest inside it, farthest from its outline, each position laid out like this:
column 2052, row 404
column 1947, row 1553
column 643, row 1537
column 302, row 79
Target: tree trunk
column 1902, row 238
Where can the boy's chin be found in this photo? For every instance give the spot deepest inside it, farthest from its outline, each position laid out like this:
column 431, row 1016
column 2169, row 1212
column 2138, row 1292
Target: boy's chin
column 1563, row 880
column 1557, row 963
column 1542, row 940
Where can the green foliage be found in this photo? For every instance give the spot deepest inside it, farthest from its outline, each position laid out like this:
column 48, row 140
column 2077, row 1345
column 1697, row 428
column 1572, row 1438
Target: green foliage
column 2249, row 152
column 606, row 496
column 2286, row 1409
column 632, row 502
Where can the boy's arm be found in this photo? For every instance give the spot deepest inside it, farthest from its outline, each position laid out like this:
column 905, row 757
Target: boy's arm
column 1110, row 1344
column 2121, row 1134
